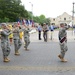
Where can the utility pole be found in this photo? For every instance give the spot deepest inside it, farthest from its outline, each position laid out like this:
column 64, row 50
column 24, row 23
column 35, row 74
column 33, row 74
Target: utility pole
column 32, row 12
column 73, row 15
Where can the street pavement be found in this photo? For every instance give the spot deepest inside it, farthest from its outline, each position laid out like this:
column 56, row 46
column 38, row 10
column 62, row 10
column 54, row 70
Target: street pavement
column 41, row 59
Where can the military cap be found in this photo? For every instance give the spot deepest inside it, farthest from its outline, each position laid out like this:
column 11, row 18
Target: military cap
column 14, row 24
column 62, row 24
column 3, row 24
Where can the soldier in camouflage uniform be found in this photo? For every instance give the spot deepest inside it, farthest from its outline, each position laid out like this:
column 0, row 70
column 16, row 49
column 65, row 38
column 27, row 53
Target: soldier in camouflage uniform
column 63, row 41
column 16, row 38
column 5, row 42
column 26, row 37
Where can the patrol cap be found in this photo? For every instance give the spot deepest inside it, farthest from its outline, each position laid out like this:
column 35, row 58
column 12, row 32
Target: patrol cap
column 14, row 24
column 3, row 24
column 62, row 24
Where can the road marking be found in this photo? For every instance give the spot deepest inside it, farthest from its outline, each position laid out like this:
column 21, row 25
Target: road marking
column 37, row 68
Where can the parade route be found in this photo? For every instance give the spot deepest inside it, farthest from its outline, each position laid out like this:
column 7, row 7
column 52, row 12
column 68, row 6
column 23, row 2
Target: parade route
column 41, row 59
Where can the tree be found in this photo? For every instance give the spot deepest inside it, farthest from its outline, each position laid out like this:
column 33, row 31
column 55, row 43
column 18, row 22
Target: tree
column 12, row 9
column 36, row 19
column 29, row 15
column 42, row 19
column 47, row 20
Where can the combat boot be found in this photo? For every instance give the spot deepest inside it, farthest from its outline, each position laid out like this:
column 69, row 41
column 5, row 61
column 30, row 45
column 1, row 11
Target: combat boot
column 6, row 60
column 26, row 49
column 60, row 56
column 63, row 60
column 17, row 52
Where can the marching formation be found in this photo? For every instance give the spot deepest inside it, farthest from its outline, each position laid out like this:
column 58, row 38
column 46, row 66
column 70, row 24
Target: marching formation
column 15, row 32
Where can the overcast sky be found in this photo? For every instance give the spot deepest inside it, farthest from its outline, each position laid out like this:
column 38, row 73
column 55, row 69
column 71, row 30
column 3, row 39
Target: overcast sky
column 50, row 8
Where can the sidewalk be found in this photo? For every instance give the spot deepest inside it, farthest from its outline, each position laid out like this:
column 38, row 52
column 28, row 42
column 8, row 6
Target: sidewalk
column 70, row 36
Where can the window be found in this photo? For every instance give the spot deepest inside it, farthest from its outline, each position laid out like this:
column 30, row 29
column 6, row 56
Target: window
column 54, row 19
column 64, row 18
column 53, row 23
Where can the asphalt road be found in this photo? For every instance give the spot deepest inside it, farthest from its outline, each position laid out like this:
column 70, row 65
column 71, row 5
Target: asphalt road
column 41, row 59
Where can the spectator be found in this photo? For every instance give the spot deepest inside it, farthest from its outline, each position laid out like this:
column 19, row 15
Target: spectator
column 39, row 31
column 51, row 28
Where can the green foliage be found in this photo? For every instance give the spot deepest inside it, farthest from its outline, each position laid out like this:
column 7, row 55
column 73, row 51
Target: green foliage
column 41, row 19
column 47, row 20
column 29, row 15
column 36, row 19
column 6, row 19
column 12, row 9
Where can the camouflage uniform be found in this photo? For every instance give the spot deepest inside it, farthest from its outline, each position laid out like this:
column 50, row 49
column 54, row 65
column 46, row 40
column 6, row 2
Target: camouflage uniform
column 26, row 37
column 5, row 43
column 17, row 40
column 63, row 41
column 45, row 30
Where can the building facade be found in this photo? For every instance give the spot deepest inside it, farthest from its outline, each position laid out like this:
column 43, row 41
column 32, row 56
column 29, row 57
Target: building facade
column 65, row 18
